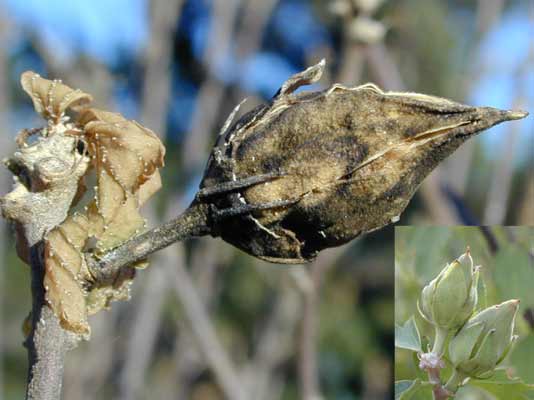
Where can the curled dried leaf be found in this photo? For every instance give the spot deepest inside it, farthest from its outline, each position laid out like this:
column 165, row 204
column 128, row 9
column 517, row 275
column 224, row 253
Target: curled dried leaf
column 65, row 270
column 100, row 297
column 49, row 181
column 128, row 151
column 51, row 98
column 125, row 157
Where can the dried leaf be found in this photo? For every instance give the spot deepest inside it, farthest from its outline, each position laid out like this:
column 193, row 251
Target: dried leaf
column 65, row 270
column 147, row 189
column 128, row 151
column 100, row 297
column 49, row 179
column 122, row 224
column 52, row 98
column 125, row 157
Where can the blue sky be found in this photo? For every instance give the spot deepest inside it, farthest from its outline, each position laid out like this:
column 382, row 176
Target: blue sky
column 99, row 28
column 507, row 71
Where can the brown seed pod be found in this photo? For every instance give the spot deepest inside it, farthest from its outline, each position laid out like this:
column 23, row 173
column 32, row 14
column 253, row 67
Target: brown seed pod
column 314, row 170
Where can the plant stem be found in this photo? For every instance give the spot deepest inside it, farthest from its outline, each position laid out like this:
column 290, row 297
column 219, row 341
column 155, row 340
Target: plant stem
column 439, row 341
column 454, row 381
column 192, row 222
column 440, row 393
column 436, row 364
column 47, row 342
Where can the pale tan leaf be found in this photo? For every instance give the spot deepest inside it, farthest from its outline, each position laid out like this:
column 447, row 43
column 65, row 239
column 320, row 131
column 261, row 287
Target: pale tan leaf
column 147, row 189
column 130, row 152
column 65, row 297
column 100, row 297
column 125, row 157
column 51, row 98
column 65, row 269
column 114, row 217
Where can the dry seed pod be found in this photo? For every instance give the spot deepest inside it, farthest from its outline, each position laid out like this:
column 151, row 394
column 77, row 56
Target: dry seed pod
column 314, row 170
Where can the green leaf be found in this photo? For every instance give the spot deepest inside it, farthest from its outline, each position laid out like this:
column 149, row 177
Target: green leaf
column 407, row 336
column 504, row 387
column 412, row 390
column 514, row 274
column 406, row 389
column 522, row 357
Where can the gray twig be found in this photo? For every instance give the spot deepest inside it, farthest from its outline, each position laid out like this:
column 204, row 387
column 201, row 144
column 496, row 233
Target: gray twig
column 275, row 344
column 47, row 343
column 192, row 222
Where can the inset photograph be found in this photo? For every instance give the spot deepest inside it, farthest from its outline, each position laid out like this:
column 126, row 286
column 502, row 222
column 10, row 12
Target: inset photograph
column 464, row 313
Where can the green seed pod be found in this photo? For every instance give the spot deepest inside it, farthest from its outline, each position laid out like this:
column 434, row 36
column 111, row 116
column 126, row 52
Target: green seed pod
column 450, row 298
column 315, row 169
column 485, row 340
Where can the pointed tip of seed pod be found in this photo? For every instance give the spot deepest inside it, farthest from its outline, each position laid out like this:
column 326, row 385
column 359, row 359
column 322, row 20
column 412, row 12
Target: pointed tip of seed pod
column 489, row 116
column 515, row 114
column 504, row 115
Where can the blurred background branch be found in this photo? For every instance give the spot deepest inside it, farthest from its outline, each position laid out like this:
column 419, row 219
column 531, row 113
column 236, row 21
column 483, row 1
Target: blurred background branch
column 155, row 95
column 5, row 143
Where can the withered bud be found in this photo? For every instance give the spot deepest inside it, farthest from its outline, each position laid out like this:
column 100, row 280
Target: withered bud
column 316, row 169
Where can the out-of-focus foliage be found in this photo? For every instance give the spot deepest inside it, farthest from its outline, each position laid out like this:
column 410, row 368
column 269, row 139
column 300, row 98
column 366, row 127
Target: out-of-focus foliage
column 468, row 51
column 505, row 255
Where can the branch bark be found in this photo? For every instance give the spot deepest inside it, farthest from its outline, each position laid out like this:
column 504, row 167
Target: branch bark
column 191, row 223
column 47, row 343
